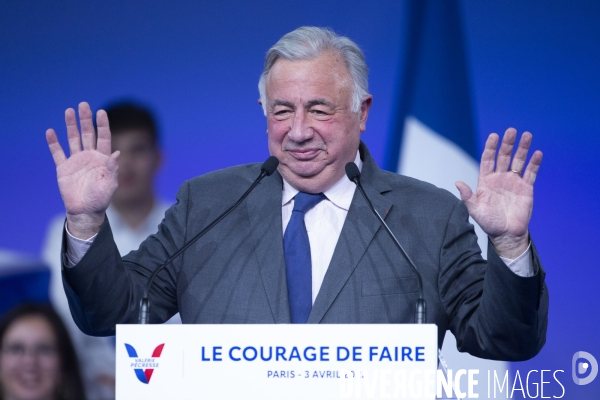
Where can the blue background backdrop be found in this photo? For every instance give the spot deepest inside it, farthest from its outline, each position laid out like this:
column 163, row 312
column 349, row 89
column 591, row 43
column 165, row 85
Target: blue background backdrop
column 533, row 65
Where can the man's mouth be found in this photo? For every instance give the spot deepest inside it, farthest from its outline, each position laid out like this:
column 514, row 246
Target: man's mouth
column 304, row 154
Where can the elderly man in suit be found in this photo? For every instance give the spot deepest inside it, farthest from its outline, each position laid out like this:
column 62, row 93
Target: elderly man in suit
column 305, row 248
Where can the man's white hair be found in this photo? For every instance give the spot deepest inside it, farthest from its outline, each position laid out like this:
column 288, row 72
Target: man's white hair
column 308, row 42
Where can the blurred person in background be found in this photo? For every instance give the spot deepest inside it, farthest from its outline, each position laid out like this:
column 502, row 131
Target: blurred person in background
column 135, row 213
column 23, row 279
column 37, row 358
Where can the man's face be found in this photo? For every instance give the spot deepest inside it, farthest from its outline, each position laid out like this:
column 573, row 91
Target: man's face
column 311, row 128
column 138, row 164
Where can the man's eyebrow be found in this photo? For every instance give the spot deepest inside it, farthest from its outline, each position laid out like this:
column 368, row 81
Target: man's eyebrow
column 319, row 102
column 283, row 103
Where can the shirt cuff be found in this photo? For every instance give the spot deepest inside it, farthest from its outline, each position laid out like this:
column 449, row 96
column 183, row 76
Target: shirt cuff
column 521, row 265
column 76, row 248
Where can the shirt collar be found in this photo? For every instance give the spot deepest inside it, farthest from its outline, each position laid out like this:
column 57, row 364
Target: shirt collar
column 340, row 193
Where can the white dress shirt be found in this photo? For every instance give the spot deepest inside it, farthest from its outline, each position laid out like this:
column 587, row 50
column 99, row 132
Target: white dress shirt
column 323, row 222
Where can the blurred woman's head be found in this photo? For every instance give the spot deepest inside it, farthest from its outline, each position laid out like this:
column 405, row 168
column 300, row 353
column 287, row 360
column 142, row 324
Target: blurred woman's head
column 37, row 359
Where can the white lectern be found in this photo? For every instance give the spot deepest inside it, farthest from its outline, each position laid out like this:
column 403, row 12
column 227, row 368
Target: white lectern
column 276, row 361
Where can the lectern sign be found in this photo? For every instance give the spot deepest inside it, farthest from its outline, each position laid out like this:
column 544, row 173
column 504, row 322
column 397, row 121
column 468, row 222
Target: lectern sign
column 149, row 364
column 276, row 361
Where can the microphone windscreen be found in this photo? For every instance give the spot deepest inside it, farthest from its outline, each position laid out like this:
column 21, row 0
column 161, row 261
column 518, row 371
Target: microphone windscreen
column 352, row 171
column 270, row 165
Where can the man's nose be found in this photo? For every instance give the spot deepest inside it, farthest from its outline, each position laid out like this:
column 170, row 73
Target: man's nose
column 300, row 130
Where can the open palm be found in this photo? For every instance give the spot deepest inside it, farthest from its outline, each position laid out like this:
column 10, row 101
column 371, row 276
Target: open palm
column 88, row 178
column 503, row 202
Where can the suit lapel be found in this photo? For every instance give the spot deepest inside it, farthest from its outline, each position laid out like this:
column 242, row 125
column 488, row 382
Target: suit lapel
column 358, row 232
column 264, row 213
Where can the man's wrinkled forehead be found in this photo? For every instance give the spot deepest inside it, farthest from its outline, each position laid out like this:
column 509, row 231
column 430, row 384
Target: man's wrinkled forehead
column 326, row 70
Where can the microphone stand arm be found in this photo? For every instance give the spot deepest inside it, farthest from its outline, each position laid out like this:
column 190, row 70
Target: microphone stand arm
column 421, row 306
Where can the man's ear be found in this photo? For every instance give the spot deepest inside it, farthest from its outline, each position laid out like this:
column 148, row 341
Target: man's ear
column 364, row 112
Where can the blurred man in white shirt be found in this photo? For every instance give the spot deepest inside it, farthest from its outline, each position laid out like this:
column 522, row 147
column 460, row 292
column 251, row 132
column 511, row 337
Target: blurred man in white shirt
column 135, row 213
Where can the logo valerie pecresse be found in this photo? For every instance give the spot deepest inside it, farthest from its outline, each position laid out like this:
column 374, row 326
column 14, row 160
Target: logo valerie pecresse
column 144, row 367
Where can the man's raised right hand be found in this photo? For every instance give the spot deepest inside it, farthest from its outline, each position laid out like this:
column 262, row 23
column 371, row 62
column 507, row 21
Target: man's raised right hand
column 88, row 178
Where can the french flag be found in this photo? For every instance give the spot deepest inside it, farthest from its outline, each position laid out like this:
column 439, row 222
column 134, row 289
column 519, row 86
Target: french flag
column 434, row 138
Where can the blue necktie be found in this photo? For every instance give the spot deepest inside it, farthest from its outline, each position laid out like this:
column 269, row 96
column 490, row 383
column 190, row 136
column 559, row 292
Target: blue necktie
column 297, row 258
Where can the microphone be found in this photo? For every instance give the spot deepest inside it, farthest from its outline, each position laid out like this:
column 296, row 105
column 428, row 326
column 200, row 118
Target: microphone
column 421, row 307
column 267, row 169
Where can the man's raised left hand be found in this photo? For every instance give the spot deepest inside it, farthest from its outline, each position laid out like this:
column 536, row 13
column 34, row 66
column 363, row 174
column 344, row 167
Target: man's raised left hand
column 503, row 202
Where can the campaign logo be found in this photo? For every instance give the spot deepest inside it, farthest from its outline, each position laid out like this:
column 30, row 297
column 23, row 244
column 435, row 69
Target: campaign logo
column 585, row 368
column 144, row 367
